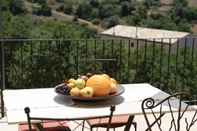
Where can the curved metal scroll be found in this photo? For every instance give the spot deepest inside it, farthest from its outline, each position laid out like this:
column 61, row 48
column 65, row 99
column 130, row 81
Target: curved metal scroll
column 149, row 106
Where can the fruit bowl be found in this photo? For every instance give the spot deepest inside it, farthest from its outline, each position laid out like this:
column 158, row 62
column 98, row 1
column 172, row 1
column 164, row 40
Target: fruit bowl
column 59, row 89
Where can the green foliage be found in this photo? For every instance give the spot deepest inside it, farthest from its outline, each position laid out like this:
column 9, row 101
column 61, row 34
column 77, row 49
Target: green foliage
column 60, row 8
column 181, row 3
column 60, row 1
column 17, row 7
column 44, row 10
column 111, row 21
column 125, row 8
column 68, row 9
column 84, row 10
column 171, row 74
column 40, row 1
column 4, row 5
column 94, row 3
column 142, row 13
column 65, row 30
column 15, row 26
column 151, row 3
column 105, row 11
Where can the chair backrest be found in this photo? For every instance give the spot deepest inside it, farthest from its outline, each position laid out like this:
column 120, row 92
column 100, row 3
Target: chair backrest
column 30, row 118
column 169, row 114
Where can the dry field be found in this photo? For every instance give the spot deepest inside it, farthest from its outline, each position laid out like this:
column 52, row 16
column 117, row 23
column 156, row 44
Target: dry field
column 192, row 3
column 194, row 29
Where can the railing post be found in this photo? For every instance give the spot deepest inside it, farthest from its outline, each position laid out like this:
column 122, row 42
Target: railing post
column 2, row 67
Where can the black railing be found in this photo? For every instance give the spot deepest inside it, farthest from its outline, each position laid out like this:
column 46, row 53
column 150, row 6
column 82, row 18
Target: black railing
column 167, row 63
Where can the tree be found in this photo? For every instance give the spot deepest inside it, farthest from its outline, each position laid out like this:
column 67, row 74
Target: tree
column 94, row 3
column 21, row 26
column 150, row 3
column 5, row 4
column 184, row 26
column 181, row 2
column 141, row 10
column 68, row 9
column 123, row 0
column 43, row 10
column 84, row 10
column 111, row 21
column 105, row 11
column 1, row 23
column 17, row 7
column 39, row 1
column 125, row 8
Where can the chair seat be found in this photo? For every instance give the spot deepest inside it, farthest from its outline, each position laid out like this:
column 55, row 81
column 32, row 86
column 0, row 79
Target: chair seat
column 117, row 121
column 47, row 126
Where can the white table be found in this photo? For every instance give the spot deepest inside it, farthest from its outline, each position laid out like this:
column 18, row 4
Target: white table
column 46, row 103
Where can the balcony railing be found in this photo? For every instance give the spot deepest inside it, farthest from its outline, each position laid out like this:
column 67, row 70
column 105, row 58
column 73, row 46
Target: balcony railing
column 167, row 63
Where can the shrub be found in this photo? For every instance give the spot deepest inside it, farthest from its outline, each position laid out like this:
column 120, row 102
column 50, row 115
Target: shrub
column 96, row 21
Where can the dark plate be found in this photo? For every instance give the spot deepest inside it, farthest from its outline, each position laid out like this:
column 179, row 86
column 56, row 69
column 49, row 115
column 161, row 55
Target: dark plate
column 119, row 92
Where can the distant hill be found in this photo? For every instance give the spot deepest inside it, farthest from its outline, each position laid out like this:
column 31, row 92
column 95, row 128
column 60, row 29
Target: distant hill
column 98, row 15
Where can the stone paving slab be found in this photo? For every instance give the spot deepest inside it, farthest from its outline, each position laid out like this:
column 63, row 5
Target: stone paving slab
column 6, row 127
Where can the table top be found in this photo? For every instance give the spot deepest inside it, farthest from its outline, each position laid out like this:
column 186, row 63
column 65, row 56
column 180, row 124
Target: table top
column 46, row 103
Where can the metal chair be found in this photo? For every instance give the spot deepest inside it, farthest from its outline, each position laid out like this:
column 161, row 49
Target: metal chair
column 113, row 122
column 62, row 127
column 169, row 114
column 37, row 123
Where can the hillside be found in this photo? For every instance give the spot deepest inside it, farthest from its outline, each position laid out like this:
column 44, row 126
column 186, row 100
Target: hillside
column 23, row 19
column 163, row 14
column 94, row 15
column 62, row 16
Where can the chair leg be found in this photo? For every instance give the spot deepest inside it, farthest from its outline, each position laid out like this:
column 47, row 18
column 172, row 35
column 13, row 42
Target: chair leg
column 129, row 123
column 135, row 125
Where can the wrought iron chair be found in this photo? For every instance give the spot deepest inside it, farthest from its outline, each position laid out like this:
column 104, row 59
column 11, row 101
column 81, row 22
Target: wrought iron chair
column 62, row 127
column 169, row 114
column 42, row 124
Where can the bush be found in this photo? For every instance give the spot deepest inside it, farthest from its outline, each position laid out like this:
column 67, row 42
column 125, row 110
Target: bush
column 75, row 18
column 96, row 21
column 105, row 11
column 39, row 1
column 68, row 9
column 111, row 21
column 94, row 3
column 17, row 7
column 125, row 8
column 84, row 10
column 60, row 8
column 43, row 10
column 60, row 1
